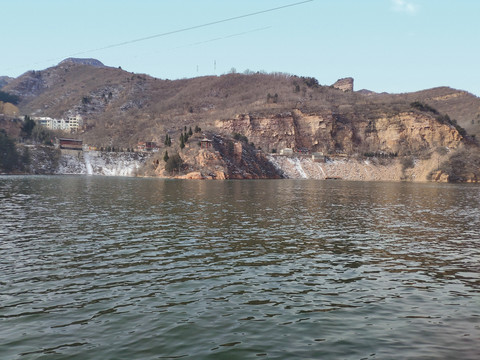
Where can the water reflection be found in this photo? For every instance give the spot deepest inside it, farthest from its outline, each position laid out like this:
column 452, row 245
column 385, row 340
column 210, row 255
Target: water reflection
column 116, row 267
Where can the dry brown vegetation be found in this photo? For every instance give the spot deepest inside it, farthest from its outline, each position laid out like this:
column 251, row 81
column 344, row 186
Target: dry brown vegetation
column 121, row 108
column 462, row 165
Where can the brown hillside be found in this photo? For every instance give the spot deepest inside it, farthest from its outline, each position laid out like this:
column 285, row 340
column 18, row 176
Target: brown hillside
column 457, row 104
column 8, row 109
column 4, row 80
column 121, row 108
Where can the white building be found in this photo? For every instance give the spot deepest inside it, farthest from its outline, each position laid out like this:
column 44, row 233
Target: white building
column 44, row 121
column 72, row 123
column 286, row 151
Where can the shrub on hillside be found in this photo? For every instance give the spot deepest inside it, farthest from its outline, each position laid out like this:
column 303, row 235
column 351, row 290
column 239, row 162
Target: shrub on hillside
column 407, row 162
column 423, row 107
column 462, row 165
column 240, row 137
column 174, row 163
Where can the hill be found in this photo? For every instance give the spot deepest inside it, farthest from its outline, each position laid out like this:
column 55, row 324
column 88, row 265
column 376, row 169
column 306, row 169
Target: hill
column 90, row 62
column 273, row 111
column 107, row 96
column 4, row 80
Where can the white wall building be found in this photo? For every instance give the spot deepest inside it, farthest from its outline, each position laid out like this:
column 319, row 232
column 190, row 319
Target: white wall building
column 72, row 123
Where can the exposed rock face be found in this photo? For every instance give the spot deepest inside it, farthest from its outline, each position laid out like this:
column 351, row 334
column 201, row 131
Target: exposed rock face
column 439, row 176
column 408, row 132
column 329, row 132
column 345, row 84
column 345, row 169
column 225, row 159
column 462, row 165
column 47, row 160
column 268, row 132
column 90, row 62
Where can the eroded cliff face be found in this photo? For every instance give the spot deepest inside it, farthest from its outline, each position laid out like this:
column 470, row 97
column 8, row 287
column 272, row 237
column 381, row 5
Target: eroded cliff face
column 329, row 132
column 408, row 133
column 345, row 84
column 224, row 158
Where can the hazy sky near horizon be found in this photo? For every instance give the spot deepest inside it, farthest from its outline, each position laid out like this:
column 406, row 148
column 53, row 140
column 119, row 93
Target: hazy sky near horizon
column 385, row 45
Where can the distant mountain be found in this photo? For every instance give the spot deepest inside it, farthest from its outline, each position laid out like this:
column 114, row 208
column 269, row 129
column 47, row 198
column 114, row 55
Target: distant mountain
column 366, row 92
column 80, row 61
column 4, row 80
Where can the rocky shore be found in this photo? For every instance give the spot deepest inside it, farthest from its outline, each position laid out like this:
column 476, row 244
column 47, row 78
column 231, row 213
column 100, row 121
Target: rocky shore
column 243, row 162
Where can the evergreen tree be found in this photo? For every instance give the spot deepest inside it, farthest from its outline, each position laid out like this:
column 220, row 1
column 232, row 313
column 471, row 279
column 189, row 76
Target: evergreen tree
column 165, row 157
column 190, row 132
column 6, row 97
column 8, row 153
column 42, row 135
column 182, row 142
column 27, row 127
column 174, row 163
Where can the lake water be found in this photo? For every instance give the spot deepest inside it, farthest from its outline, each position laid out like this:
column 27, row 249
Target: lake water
column 129, row 268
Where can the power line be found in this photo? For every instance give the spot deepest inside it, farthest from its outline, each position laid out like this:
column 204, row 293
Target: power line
column 223, row 37
column 191, row 28
column 175, row 32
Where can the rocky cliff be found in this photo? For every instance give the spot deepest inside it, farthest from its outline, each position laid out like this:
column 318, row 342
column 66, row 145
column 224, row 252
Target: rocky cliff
column 80, row 61
column 224, row 158
column 345, row 84
column 328, row 132
column 400, row 146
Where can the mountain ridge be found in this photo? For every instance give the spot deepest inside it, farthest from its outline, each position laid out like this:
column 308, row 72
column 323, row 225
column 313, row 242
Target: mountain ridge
column 33, row 83
column 83, row 61
column 273, row 111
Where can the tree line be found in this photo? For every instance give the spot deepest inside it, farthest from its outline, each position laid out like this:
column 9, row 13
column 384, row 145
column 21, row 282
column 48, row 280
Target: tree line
column 10, row 158
column 10, row 98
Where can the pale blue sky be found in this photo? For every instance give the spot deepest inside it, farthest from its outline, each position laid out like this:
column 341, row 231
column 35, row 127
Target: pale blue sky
column 386, row 45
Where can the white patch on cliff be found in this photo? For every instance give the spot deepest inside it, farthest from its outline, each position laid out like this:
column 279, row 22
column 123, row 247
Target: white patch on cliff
column 88, row 164
column 298, row 167
column 100, row 163
column 69, row 164
column 323, row 172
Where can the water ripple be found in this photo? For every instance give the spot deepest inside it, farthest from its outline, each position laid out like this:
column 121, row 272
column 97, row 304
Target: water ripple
column 142, row 268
